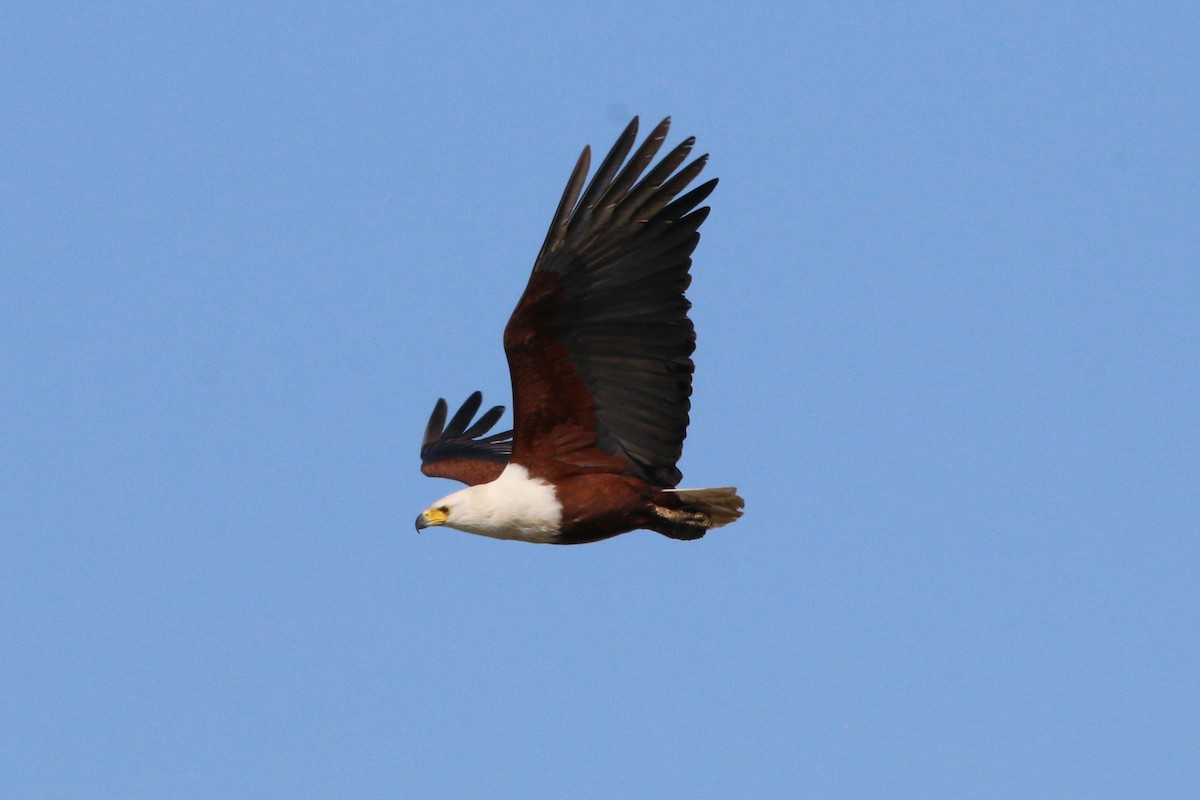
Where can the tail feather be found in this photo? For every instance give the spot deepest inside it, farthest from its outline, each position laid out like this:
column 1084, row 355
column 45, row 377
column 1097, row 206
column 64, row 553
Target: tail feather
column 722, row 505
column 690, row 513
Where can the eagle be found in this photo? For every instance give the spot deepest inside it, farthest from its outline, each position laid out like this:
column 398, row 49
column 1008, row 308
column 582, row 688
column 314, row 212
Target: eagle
column 599, row 353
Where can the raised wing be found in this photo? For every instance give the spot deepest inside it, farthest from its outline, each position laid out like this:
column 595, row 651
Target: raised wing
column 600, row 343
column 460, row 450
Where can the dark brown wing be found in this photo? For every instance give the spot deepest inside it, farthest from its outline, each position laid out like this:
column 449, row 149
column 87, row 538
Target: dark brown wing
column 459, row 450
column 599, row 346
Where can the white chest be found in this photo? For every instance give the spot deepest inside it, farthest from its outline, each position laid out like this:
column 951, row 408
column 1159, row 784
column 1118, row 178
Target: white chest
column 514, row 506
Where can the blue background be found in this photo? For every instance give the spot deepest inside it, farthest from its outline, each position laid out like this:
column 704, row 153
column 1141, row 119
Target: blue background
column 948, row 335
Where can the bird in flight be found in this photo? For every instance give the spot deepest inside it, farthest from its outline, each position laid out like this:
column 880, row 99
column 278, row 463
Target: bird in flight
column 599, row 352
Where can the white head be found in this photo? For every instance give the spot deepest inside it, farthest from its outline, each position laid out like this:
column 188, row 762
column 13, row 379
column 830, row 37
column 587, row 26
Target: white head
column 514, row 506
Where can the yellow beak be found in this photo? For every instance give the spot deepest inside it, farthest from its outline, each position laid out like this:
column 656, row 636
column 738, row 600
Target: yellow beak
column 431, row 516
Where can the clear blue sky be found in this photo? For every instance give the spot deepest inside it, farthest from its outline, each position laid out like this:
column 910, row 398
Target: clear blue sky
column 947, row 305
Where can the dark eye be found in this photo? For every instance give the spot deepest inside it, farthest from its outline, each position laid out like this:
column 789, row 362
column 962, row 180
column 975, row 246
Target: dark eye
column 444, row 509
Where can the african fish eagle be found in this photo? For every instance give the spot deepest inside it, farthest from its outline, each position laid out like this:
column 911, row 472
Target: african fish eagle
column 599, row 352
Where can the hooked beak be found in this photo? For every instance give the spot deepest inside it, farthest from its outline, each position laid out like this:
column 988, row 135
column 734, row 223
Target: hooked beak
column 432, row 516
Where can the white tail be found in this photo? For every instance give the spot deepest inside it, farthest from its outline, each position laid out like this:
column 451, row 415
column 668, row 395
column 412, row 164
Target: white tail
column 721, row 505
